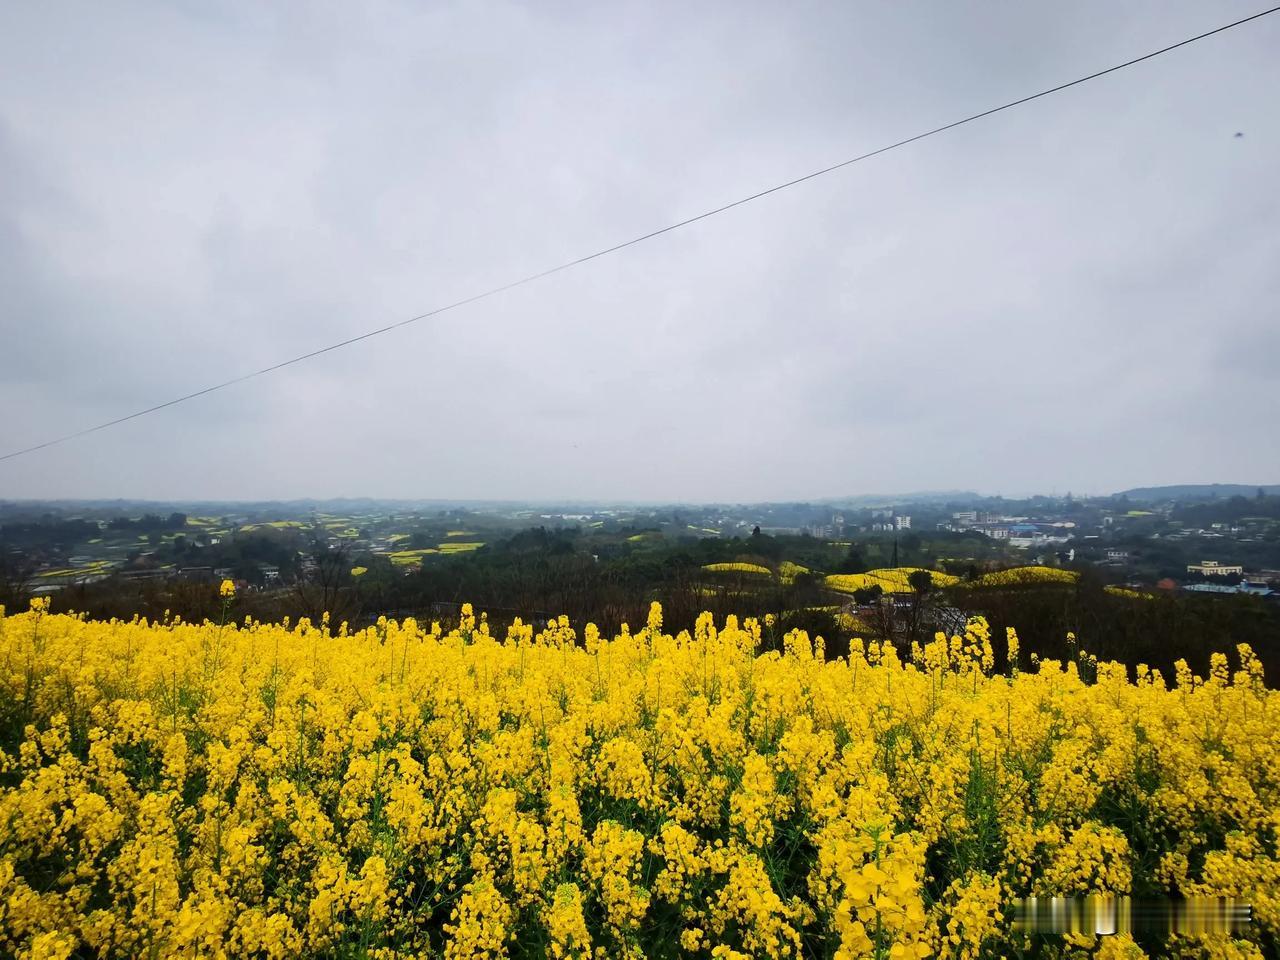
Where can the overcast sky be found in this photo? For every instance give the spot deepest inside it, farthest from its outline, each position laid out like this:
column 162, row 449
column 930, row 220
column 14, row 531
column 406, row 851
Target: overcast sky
column 1079, row 294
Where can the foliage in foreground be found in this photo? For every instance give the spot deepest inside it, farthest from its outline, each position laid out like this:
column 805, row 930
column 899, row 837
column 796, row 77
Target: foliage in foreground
column 273, row 791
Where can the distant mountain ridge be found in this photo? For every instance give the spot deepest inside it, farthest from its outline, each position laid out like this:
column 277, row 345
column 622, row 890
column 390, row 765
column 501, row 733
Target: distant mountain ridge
column 919, row 496
column 1200, row 491
column 1186, row 492
column 305, row 504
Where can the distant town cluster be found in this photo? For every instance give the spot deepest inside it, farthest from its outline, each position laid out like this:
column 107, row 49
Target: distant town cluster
column 1168, row 539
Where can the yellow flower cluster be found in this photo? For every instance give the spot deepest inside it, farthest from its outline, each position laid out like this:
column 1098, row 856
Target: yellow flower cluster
column 753, row 568
column 1128, row 593
column 1019, row 576
column 888, row 579
column 282, row 790
column 788, row 571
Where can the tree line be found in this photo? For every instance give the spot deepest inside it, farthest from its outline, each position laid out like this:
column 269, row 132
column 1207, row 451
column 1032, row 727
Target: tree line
column 539, row 573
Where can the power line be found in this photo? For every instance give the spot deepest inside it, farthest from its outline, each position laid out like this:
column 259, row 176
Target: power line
column 635, row 240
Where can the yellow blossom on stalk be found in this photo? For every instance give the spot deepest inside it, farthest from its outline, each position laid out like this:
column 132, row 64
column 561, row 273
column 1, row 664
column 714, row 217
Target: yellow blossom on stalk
column 1123, row 947
column 227, row 590
column 683, row 861
column 692, row 939
column 52, row 946
column 752, row 807
column 748, row 901
column 654, row 624
column 613, row 863
column 566, row 925
column 1093, row 859
column 971, row 907
column 479, row 927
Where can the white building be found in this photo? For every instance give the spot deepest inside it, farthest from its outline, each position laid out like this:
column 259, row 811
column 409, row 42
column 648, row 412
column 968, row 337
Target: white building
column 1212, row 568
column 902, row 523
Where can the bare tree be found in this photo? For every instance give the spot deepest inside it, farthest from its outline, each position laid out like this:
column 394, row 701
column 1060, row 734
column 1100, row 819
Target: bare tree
column 921, row 582
column 328, row 587
column 16, row 577
column 883, row 618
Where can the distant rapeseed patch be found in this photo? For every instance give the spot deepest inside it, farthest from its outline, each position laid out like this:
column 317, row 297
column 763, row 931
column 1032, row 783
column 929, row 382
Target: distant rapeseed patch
column 1017, row 576
column 889, row 579
column 753, row 568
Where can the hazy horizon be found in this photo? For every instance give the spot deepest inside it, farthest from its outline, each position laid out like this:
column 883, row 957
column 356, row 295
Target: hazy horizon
column 902, row 497
column 1077, row 294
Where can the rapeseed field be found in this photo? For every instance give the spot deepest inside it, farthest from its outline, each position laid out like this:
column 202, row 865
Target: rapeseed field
column 244, row 789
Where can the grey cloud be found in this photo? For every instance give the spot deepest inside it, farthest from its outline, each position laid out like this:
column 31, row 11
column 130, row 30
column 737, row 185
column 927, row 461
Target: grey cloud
column 1055, row 297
